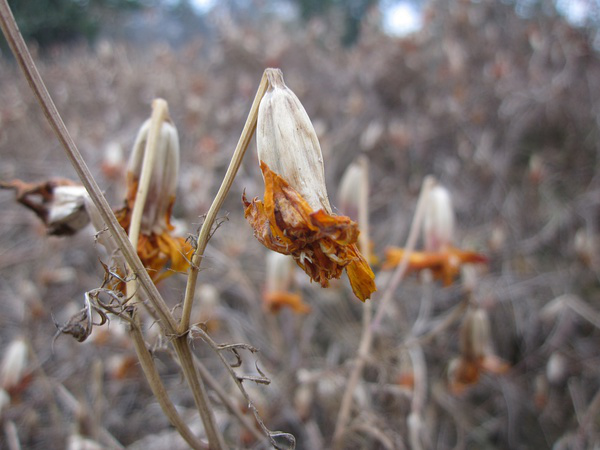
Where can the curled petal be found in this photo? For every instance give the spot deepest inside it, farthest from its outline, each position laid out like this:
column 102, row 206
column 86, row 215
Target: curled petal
column 445, row 264
column 276, row 300
column 321, row 244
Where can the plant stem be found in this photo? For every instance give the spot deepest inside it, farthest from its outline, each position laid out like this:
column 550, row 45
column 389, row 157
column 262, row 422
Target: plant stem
column 158, row 389
column 182, row 347
column 205, row 231
column 366, row 338
column 23, row 57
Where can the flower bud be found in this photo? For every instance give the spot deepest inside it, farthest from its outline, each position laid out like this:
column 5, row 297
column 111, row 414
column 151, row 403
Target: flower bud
column 438, row 223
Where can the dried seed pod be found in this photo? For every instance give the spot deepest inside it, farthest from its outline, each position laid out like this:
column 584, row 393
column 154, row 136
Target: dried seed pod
column 475, row 334
column 163, row 185
column 288, row 144
column 14, row 364
column 350, row 189
column 438, row 222
column 295, row 217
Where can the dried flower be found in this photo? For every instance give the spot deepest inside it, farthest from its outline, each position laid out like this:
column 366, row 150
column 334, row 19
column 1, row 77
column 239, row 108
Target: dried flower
column 440, row 256
column 476, row 354
column 295, row 217
column 156, row 247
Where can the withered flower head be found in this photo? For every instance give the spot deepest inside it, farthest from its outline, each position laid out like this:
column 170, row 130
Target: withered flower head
column 156, row 246
column 295, row 217
column 476, row 353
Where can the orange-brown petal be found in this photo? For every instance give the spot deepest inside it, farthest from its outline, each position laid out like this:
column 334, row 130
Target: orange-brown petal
column 321, row 244
column 276, row 300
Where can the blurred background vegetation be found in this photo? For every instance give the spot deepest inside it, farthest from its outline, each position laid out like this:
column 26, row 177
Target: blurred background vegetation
column 499, row 100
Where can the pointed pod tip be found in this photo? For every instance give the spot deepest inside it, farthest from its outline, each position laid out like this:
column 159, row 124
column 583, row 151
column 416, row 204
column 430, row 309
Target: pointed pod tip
column 275, row 77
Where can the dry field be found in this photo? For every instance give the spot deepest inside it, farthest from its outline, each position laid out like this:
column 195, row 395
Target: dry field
column 503, row 111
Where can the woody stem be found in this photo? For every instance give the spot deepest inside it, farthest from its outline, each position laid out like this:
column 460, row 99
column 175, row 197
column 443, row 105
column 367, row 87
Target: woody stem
column 205, row 231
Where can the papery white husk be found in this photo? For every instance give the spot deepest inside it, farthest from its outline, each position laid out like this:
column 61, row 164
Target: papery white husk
column 163, row 185
column 67, row 208
column 438, row 223
column 288, row 144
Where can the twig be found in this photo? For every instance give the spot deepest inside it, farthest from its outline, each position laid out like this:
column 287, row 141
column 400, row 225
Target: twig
column 366, row 338
column 205, row 231
column 238, row 381
column 225, row 398
column 159, row 390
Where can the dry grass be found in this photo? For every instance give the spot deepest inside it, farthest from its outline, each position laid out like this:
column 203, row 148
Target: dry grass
column 503, row 111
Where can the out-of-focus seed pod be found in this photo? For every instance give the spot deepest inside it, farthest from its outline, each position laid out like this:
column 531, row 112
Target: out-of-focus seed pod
column 438, row 221
column 14, row 364
column 303, row 400
column 557, row 368
column 280, row 272
column 350, row 190
column 475, row 334
column 288, row 144
column 66, row 212
column 278, row 287
column 163, row 184
column 586, row 247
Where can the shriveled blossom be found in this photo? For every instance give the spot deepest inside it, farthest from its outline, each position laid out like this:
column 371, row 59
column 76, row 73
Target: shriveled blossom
column 295, row 217
column 476, row 354
column 440, row 256
column 157, row 248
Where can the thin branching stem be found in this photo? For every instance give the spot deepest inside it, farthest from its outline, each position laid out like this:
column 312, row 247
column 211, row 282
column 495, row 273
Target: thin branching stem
column 205, row 231
column 159, row 391
column 366, row 338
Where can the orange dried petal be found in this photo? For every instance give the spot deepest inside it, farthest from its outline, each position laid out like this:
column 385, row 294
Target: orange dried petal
column 321, row 244
column 276, row 300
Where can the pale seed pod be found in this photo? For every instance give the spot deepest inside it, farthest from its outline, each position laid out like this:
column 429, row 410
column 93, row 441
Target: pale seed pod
column 163, row 184
column 288, row 144
column 438, row 221
column 279, row 272
column 350, row 190
column 66, row 212
column 14, row 364
column 475, row 334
